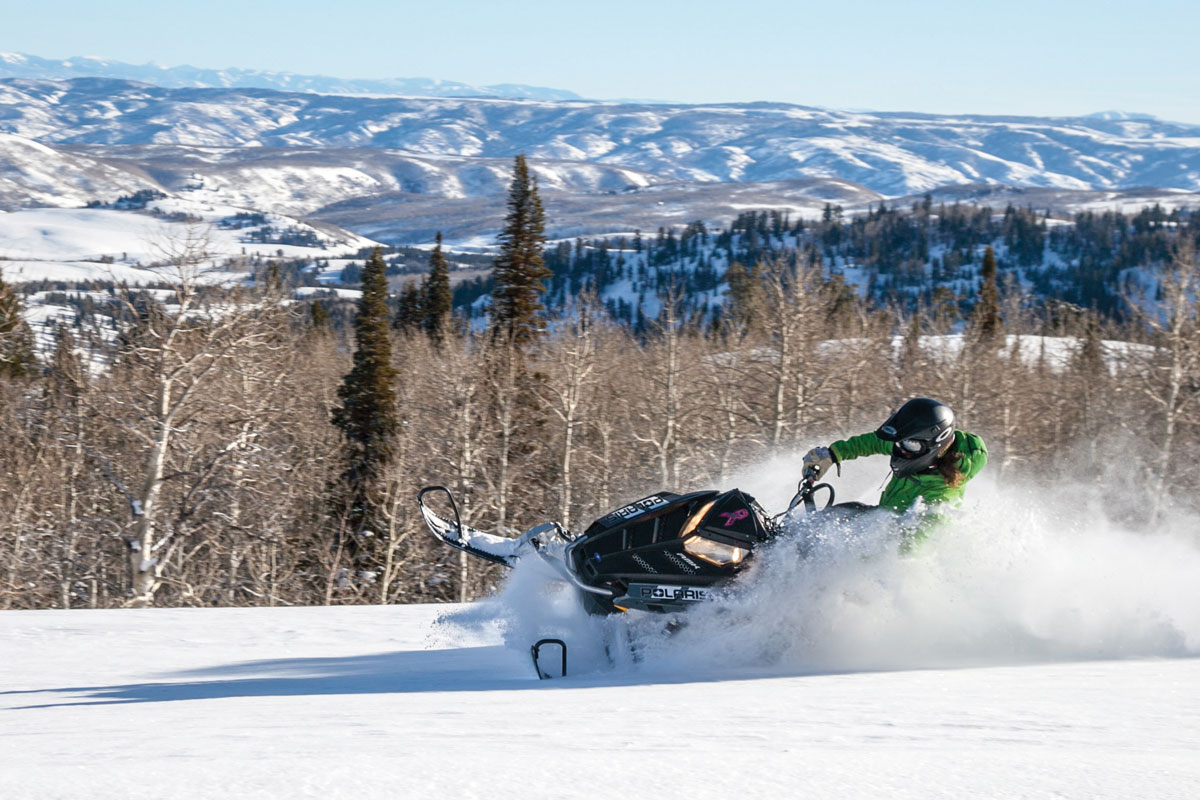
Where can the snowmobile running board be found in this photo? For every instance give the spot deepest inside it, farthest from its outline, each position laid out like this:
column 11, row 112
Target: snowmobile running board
column 535, row 651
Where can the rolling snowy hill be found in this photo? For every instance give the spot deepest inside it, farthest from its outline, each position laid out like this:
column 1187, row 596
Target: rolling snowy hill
column 134, row 246
column 890, row 153
column 1039, row 651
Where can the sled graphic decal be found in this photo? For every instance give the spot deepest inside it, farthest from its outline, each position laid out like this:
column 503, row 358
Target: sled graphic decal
column 734, row 516
column 641, row 506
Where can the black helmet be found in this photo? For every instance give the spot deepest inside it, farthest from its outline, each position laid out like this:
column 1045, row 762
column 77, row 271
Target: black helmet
column 921, row 430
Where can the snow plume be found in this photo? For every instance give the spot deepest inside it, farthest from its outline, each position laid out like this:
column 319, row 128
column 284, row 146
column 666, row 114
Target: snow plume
column 536, row 603
column 1023, row 574
column 1016, row 579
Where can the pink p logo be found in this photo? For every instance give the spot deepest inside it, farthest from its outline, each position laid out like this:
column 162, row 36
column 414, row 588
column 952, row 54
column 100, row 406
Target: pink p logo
column 734, row 516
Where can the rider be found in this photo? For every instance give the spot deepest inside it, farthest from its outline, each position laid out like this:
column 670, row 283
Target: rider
column 930, row 459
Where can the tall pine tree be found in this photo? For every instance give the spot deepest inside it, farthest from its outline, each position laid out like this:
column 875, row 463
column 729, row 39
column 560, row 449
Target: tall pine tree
column 318, row 316
column 367, row 417
column 410, row 312
column 436, row 296
column 985, row 317
column 16, row 340
column 518, row 269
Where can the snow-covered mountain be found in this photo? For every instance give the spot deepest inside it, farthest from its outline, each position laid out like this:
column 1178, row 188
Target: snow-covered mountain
column 35, row 174
column 394, row 195
column 21, row 65
column 890, row 153
column 401, row 169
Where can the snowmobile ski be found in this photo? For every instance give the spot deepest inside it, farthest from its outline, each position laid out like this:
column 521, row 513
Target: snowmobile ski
column 536, row 651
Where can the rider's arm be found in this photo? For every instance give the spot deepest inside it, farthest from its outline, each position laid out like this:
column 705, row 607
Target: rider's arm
column 865, row 444
column 973, row 454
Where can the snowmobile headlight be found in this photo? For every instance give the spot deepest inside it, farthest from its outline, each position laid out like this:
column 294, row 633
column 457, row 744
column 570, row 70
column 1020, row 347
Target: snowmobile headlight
column 713, row 552
column 695, row 519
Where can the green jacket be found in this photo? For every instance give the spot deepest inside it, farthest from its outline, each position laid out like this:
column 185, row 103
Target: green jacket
column 900, row 493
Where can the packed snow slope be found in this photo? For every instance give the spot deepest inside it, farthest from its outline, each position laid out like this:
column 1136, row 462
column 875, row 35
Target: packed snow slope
column 359, row 702
column 1036, row 650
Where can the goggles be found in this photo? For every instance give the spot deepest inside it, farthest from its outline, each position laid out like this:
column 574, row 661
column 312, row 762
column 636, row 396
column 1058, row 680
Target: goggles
column 912, row 447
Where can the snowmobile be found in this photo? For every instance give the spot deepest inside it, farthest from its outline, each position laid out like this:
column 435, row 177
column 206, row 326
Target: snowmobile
column 661, row 554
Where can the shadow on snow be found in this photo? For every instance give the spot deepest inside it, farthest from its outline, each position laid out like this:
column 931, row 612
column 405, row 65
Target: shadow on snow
column 471, row 669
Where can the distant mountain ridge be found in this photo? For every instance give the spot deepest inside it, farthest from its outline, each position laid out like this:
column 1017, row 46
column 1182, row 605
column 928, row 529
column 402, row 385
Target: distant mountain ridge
column 21, row 65
column 894, row 154
column 399, row 169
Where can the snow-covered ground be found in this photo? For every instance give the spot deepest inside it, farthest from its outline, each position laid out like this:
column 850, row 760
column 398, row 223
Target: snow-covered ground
column 358, row 702
column 79, row 244
column 1039, row 651
column 1055, row 353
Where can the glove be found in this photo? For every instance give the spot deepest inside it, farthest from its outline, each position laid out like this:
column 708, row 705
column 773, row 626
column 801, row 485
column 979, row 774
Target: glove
column 821, row 458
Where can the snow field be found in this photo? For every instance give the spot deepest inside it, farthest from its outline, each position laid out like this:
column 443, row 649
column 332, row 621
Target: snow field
column 1034, row 650
column 68, row 243
column 357, row 702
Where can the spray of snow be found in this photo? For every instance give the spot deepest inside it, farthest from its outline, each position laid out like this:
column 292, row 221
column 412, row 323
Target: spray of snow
column 1024, row 574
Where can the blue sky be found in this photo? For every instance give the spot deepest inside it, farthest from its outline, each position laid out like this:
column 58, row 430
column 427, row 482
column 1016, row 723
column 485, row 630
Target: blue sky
column 1010, row 57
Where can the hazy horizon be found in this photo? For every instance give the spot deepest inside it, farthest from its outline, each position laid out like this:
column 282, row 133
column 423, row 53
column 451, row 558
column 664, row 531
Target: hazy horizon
column 1023, row 59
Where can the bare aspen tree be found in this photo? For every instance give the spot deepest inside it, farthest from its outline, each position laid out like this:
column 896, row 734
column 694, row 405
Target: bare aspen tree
column 734, row 422
column 1088, row 377
column 504, row 372
column 1170, row 371
column 668, row 401
column 609, row 420
column 862, row 354
column 68, row 381
column 179, row 352
column 572, row 356
column 790, row 307
column 453, row 405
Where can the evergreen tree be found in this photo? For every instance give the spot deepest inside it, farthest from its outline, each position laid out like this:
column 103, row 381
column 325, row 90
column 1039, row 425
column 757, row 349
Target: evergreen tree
column 744, row 289
column 410, row 314
column 16, row 340
column 519, row 268
column 985, row 318
column 318, row 316
column 367, row 416
column 436, row 295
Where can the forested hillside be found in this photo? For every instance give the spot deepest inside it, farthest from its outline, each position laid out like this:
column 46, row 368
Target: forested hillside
column 919, row 257
column 190, row 456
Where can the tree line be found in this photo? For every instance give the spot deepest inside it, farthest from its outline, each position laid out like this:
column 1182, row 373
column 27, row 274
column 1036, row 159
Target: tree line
column 898, row 255
column 227, row 446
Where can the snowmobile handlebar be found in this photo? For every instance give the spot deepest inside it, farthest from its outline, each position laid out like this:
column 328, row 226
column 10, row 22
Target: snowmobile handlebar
column 809, row 487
